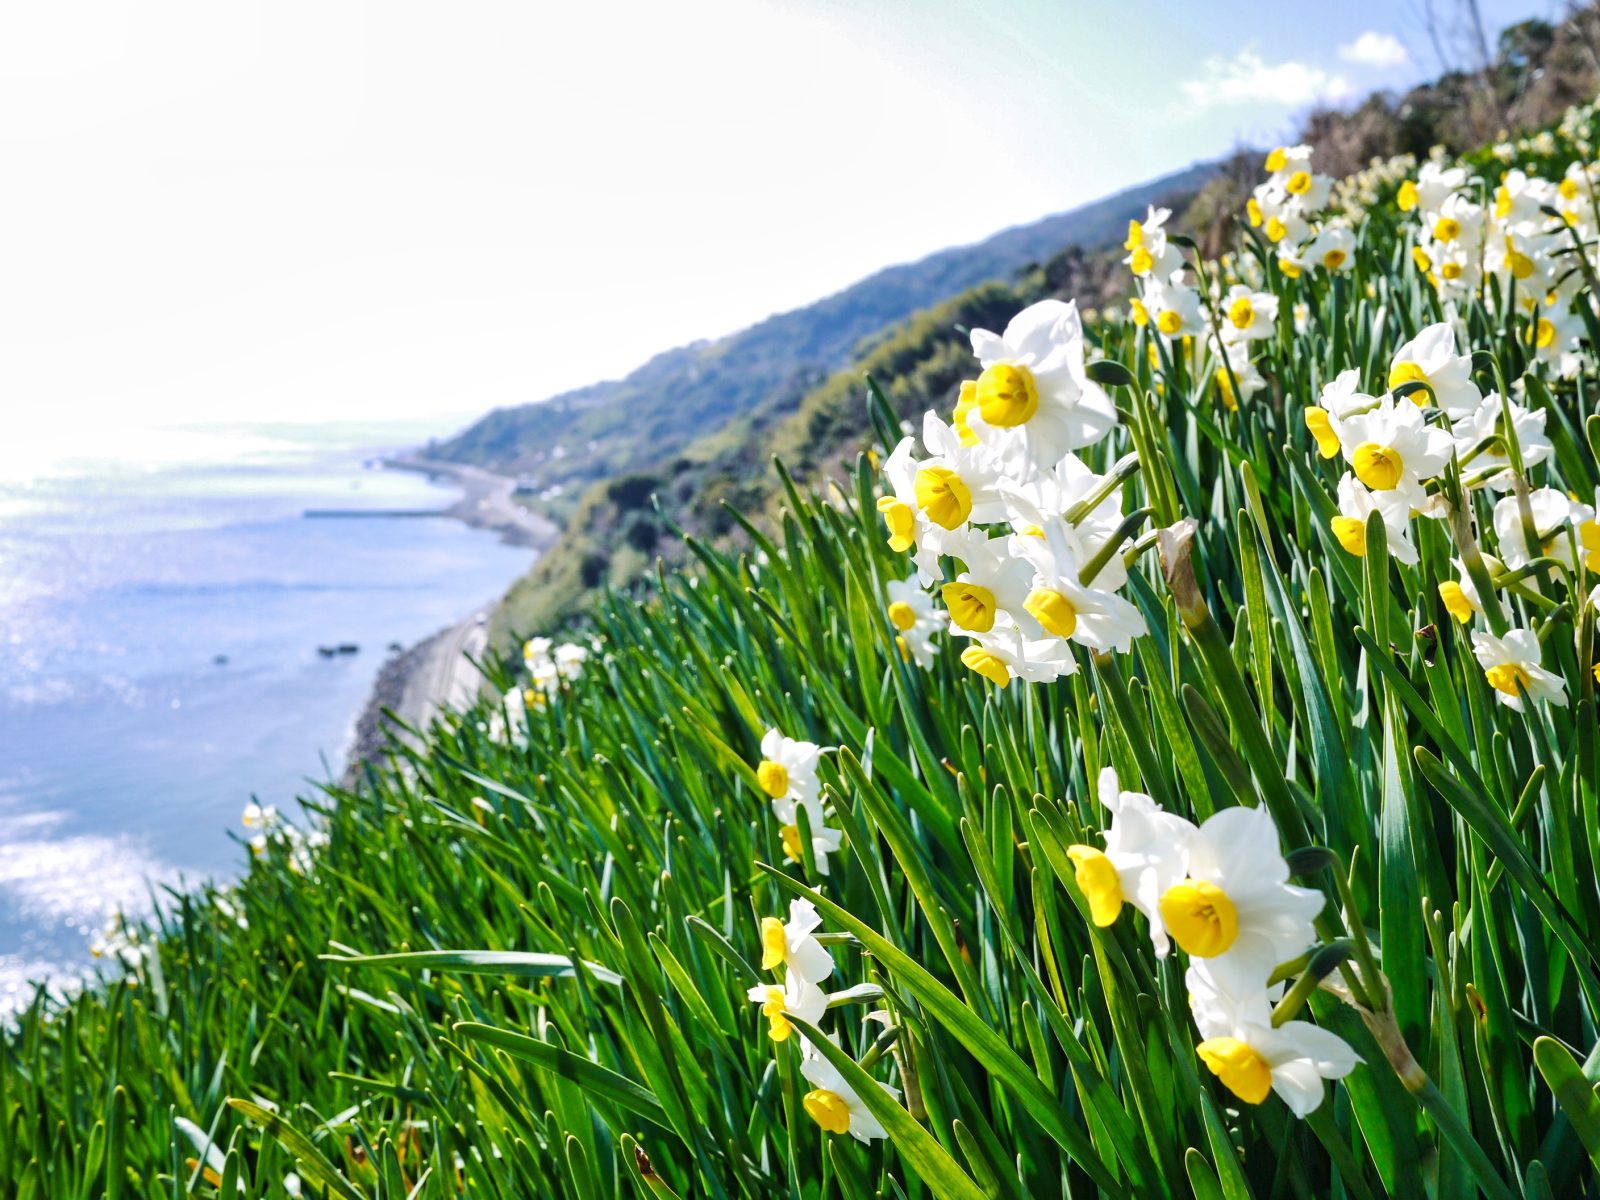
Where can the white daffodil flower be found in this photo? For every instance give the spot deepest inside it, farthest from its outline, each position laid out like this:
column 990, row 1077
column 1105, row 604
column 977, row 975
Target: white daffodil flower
column 1392, row 448
column 1430, row 358
column 791, row 944
column 788, row 774
column 994, row 585
column 797, row 997
column 1005, row 653
column 1146, row 852
column 916, row 621
column 1356, row 503
column 1460, row 595
column 1250, row 1057
column 1487, row 421
column 832, row 1103
column 1237, row 900
column 1150, row 254
column 1333, row 249
column 1436, row 183
column 1175, row 308
column 1055, row 491
column 569, row 659
column 1558, row 522
column 1556, row 341
column 824, row 841
column 1065, row 607
column 934, row 498
column 1511, row 665
column 1240, row 370
column 1034, row 388
column 1341, row 397
column 1247, row 314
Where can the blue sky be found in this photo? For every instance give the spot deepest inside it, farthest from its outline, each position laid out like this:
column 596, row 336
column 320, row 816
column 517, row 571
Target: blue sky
column 300, row 210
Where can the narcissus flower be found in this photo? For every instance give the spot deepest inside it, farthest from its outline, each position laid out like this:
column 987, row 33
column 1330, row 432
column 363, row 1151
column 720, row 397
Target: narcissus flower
column 1356, row 504
column 1237, row 900
column 788, row 768
column 1146, row 852
column 1251, row 1058
column 1333, row 249
column 1557, row 523
column 916, row 620
column 1062, row 604
column 824, row 841
column 1392, row 448
column 797, row 997
column 1511, row 665
column 792, row 945
column 833, row 1104
column 1247, row 314
column 1034, row 386
column 1430, row 358
column 1005, row 653
column 1460, row 595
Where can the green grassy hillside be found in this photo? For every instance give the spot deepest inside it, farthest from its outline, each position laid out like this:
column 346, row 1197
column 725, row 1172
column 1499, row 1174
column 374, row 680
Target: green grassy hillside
column 543, row 954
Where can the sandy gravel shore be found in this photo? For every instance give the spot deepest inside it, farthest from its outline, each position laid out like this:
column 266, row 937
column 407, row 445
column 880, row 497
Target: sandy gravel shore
column 440, row 672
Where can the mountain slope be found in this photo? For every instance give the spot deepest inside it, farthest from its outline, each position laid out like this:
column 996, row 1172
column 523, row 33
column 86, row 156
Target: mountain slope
column 645, row 419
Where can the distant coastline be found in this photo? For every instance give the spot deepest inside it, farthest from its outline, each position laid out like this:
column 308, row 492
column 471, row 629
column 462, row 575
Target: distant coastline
column 438, row 672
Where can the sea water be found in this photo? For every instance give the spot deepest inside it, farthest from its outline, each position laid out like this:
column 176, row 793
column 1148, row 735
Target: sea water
column 160, row 617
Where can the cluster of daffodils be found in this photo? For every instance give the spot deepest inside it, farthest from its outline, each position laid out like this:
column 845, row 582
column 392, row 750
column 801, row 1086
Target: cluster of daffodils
column 550, row 666
column 787, row 774
column 1510, row 243
column 268, row 827
column 793, row 947
column 916, row 619
column 1285, row 208
column 1033, row 537
column 1396, row 448
column 1221, row 891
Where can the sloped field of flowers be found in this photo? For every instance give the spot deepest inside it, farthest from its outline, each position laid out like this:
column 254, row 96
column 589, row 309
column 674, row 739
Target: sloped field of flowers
column 1170, row 773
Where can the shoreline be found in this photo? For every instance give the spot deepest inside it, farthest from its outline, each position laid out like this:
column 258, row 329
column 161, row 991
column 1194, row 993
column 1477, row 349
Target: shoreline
column 437, row 672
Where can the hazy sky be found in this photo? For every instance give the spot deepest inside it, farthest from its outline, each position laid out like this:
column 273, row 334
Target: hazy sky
column 229, row 211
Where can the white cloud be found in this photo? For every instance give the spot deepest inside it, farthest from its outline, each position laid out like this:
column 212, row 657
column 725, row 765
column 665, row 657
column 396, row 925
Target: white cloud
column 1373, row 49
column 1247, row 78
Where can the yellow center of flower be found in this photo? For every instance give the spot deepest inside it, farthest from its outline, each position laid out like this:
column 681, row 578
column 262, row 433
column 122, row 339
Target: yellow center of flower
column 1139, row 313
column 986, row 663
column 1447, row 229
column 1321, row 426
column 1241, row 312
column 904, row 647
column 1099, row 883
column 1052, row 610
column 1502, row 202
column 1451, row 270
column 1334, row 259
column 773, row 778
column 943, row 495
column 1589, row 539
column 965, row 403
column 901, row 520
column 828, row 1110
column 790, row 836
column 1007, row 395
column 1289, row 267
column 1405, row 371
column 1298, row 184
column 1379, row 467
column 778, row 1027
column 1406, row 199
column 972, row 606
column 1521, row 265
column 1352, row 534
column 1544, row 336
column 1241, row 1068
column 774, row 944
column 1456, row 601
column 1568, row 189
column 1509, row 678
column 902, row 616
column 1420, row 257
column 1135, row 236
column 1276, row 230
column 1252, row 208
column 1200, row 917
column 1140, row 261
column 1169, row 322
column 1277, row 159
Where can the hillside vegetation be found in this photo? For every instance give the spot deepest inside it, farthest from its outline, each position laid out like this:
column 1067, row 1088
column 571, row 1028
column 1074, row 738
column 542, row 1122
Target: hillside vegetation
column 813, row 420
column 1171, row 772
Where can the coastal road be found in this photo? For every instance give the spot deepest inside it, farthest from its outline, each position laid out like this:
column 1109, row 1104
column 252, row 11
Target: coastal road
column 446, row 677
